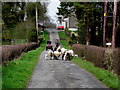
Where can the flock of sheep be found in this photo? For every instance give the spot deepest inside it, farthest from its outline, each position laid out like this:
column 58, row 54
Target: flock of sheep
column 60, row 53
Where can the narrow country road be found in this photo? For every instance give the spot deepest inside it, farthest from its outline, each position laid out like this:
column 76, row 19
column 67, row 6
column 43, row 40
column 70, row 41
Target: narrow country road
column 61, row 74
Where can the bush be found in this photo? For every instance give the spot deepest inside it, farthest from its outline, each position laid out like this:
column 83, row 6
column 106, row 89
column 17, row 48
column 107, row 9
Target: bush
column 79, row 49
column 32, row 35
column 40, row 38
column 11, row 52
column 101, row 57
column 95, row 54
column 116, row 60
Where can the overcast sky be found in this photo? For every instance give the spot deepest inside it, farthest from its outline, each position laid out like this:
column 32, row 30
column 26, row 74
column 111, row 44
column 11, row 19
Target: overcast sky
column 52, row 9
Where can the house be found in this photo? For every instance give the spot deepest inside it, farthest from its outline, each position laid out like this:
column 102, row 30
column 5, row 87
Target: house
column 70, row 23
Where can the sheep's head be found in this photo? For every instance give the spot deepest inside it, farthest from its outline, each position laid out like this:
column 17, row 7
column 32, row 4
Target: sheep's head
column 59, row 50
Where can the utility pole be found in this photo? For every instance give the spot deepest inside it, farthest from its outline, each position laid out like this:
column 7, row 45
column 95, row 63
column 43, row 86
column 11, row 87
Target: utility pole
column 105, row 20
column 114, row 24
column 37, row 22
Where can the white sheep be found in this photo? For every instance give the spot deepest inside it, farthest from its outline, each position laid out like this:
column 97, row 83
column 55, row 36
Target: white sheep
column 68, row 54
column 49, row 55
column 71, row 52
column 63, row 50
column 57, row 54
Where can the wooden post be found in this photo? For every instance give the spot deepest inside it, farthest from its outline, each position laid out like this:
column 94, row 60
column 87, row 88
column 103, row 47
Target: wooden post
column 114, row 24
column 104, row 26
column 37, row 22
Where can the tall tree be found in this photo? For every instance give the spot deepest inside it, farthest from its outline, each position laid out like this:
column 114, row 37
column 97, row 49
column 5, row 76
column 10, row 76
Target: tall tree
column 114, row 24
column 92, row 23
column 66, row 8
column 105, row 20
column 31, row 10
column 118, row 27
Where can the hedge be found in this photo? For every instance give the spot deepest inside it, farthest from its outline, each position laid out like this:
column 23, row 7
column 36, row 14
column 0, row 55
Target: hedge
column 10, row 52
column 79, row 49
column 95, row 54
column 106, row 58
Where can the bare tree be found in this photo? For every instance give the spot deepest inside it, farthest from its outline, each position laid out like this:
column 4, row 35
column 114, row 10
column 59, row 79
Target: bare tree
column 114, row 24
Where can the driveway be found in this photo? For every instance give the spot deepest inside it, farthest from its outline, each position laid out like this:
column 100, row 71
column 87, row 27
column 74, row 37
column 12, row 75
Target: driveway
column 61, row 74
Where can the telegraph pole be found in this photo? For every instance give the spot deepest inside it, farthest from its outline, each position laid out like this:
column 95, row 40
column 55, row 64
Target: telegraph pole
column 114, row 24
column 105, row 20
column 37, row 22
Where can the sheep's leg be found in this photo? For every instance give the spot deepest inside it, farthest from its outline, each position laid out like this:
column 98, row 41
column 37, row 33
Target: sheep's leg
column 68, row 58
column 46, row 57
column 63, row 56
column 49, row 57
column 56, row 57
column 52, row 57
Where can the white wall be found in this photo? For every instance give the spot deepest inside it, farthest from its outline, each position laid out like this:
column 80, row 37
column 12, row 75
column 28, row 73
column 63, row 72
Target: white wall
column 64, row 24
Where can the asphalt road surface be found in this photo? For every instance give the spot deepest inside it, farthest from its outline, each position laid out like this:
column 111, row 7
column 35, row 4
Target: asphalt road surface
column 61, row 74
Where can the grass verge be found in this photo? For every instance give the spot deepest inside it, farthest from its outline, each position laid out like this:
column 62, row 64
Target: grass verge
column 106, row 77
column 64, row 40
column 18, row 72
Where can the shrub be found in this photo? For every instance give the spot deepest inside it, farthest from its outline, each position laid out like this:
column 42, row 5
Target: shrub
column 11, row 52
column 112, row 60
column 40, row 38
column 108, row 63
column 116, row 60
column 101, row 57
column 79, row 49
column 71, row 42
column 95, row 54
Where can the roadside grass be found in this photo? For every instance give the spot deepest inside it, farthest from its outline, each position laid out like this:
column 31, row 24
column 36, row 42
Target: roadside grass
column 106, row 77
column 64, row 40
column 18, row 72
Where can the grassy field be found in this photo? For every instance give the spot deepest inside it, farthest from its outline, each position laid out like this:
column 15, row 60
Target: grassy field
column 106, row 77
column 18, row 72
